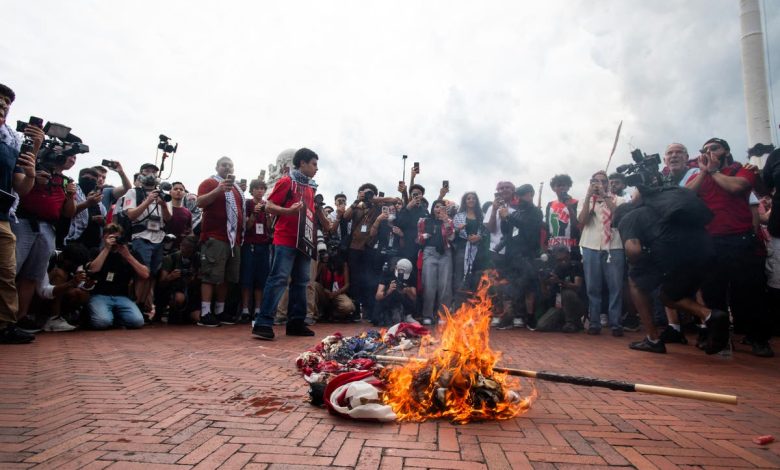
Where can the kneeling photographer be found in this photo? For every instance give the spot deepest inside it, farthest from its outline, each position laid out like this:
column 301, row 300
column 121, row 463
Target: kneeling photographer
column 112, row 270
column 332, row 285
column 147, row 209
column 179, row 285
column 396, row 295
column 667, row 247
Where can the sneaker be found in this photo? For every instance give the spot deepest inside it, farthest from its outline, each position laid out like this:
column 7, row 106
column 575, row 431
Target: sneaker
column 648, row 346
column 309, row 321
column 209, row 320
column 57, row 324
column 518, row 323
column 631, row 324
column 28, row 325
column 594, row 331
column 263, row 332
column 12, row 334
column 604, row 320
column 495, row 321
column 670, row 335
column 298, row 328
column 245, row 318
column 718, row 327
column 280, row 321
column 762, row 349
column 427, row 322
column 570, row 328
column 506, row 324
column 617, row 332
column 226, row 319
column 410, row 319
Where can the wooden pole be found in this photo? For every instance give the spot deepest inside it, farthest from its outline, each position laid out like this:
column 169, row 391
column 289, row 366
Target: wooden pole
column 594, row 382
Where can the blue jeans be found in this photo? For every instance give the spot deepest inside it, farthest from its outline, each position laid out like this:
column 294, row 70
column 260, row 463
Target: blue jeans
column 596, row 270
column 151, row 254
column 104, row 310
column 288, row 263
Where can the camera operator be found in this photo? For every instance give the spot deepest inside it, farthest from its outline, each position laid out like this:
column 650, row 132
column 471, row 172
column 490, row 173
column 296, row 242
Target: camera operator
column 678, row 168
column 562, row 293
column 396, row 295
column 50, row 199
column 602, row 253
column 148, row 212
column 86, row 226
column 737, row 279
column 179, row 282
column 332, row 285
column 522, row 231
column 255, row 252
column 17, row 173
column 673, row 253
column 113, row 269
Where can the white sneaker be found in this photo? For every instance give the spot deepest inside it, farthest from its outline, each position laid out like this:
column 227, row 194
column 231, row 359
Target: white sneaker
column 518, row 322
column 410, row 319
column 427, row 322
column 604, row 319
column 58, row 324
column 495, row 322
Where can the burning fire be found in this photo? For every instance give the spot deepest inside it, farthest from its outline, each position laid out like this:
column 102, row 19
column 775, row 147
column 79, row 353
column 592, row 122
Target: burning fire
column 457, row 381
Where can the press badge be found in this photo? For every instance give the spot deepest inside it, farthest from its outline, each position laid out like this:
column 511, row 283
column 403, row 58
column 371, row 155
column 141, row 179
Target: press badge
column 259, row 229
column 153, row 224
column 363, row 228
column 109, row 277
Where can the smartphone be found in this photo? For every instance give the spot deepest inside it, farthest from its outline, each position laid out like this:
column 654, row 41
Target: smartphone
column 262, row 175
column 109, row 164
column 231, row 179
column 496, row 195
column 445, row 184
column 386, row 210
column 36, row 121
column 381, row 194
column 417, row 166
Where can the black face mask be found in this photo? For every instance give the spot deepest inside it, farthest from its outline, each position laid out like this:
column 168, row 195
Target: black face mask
column 87, row 185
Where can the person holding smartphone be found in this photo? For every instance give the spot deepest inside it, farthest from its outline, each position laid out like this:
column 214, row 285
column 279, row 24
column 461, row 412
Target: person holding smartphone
column 221, row 234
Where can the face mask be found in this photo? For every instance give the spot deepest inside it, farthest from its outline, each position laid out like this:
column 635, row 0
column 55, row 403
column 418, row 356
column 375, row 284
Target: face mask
column 87, row 185
column 148, row 180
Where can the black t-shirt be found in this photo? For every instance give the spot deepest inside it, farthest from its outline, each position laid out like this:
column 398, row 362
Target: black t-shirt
column 8, row 156
column 771, row 177
column 115, row 276
column 668, row 246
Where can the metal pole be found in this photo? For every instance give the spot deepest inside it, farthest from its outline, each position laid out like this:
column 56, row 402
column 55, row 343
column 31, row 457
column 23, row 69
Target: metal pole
column 754, row 78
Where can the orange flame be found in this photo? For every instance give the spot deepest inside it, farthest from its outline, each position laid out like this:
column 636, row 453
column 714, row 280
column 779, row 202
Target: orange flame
column 457, row 380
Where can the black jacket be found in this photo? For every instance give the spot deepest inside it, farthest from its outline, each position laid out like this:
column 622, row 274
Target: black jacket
column 522, row 231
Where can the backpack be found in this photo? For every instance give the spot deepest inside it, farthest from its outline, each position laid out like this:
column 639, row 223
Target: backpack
column 123, row 220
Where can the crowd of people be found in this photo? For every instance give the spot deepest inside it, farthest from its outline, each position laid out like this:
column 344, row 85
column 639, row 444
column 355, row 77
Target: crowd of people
column 696, row 250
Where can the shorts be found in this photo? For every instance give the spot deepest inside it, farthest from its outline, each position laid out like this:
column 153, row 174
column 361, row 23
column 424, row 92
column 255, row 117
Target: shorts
column 676, row 285
column 255, row 265
column 33, row 249
column 219, row 263
column 151, row 254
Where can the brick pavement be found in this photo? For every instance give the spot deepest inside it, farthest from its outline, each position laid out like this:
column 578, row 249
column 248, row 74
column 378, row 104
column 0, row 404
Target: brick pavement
column 187, row 397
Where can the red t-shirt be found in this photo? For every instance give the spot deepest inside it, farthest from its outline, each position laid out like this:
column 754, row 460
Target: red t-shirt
column 257, row 234
column 286, row 228
column 731, row 211
column 44, row 201
column 213, row 222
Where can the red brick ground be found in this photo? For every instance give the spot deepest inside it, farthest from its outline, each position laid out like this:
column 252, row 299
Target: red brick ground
column 188, row 397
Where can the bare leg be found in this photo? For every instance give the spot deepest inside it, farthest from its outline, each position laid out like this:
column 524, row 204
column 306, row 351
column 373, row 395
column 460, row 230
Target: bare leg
column 26, row 289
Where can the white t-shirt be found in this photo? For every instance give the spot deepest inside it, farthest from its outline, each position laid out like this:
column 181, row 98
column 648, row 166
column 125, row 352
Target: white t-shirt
column 495, row 235
column 154, row 227
column 592, row 236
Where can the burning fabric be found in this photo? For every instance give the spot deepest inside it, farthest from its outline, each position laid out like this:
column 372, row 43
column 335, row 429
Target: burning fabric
column 455, row 381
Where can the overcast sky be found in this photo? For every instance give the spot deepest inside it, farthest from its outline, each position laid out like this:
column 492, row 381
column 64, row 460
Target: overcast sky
column 477, row 92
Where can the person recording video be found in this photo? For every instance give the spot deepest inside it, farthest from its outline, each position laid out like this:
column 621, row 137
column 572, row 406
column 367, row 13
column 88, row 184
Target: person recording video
column 148, row 213
column 396, row 295
column 17, row 173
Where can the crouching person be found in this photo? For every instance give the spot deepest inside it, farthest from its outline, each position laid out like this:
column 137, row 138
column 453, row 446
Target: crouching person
column 113, row 269
column 331, row 288
column 396, row 295
column 562, row 294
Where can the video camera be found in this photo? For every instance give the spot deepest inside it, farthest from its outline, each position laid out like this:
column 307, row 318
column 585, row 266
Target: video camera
column 55, row 150
column 644, row 170
column 165, row 144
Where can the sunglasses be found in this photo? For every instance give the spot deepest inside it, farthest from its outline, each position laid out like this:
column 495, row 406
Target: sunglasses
column 711, row 148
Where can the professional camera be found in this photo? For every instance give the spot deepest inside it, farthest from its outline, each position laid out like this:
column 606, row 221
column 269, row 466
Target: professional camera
column 165, row 191
column 644, row 170
column 319, row 201
column 60, row 145
column 368, row 196
column 165, row 144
